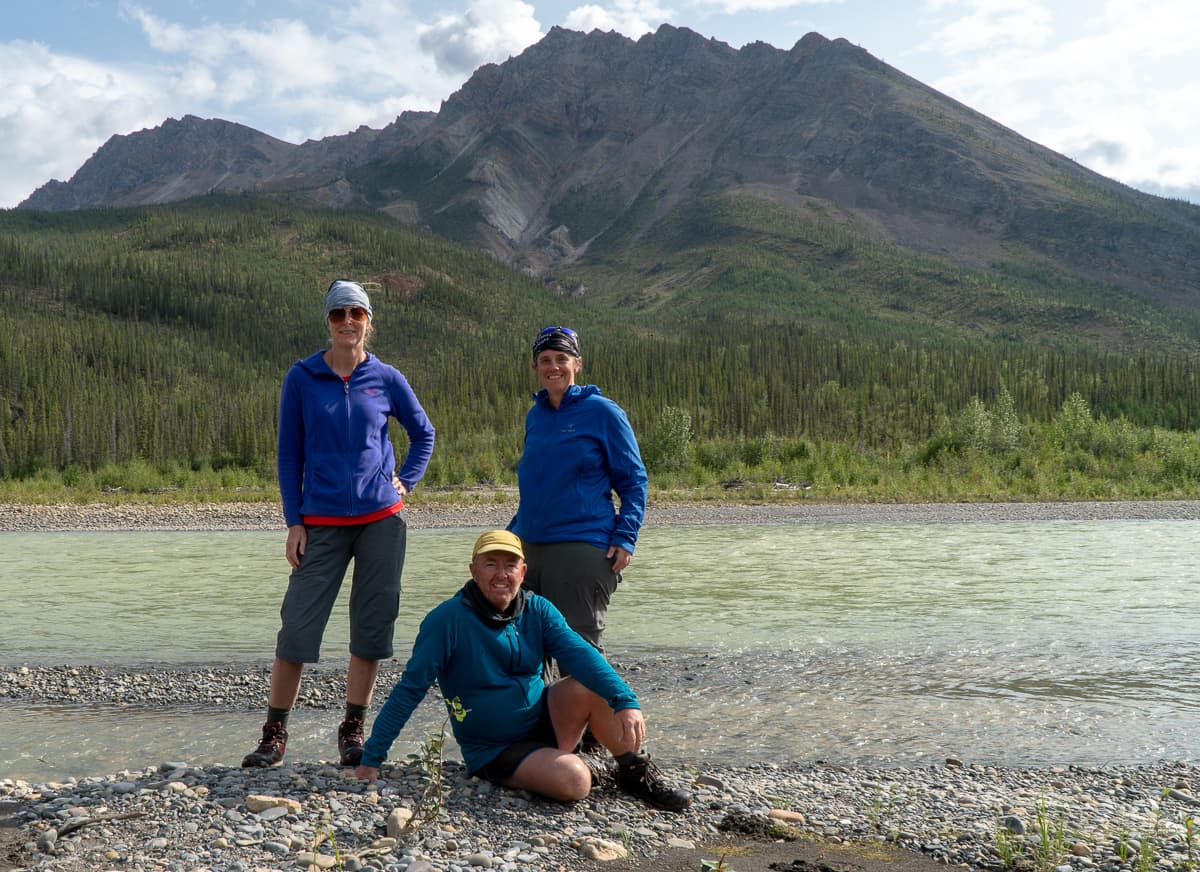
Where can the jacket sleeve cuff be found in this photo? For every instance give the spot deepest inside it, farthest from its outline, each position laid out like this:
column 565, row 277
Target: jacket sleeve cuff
column 623, row 701
column 370, row 757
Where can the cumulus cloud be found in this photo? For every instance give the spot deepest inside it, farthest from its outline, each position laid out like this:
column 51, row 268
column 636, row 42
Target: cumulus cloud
column 992, row 24
column 56, row 110
column 733, row 7
column 289, row 78
column 488, row 31
column 633, row 18
column 1110, row 85
column 304, row 79
column 1102, row 150
column 272, row 60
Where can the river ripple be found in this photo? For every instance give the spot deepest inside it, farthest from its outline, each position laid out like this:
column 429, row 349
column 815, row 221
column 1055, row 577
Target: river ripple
column 1014, row 642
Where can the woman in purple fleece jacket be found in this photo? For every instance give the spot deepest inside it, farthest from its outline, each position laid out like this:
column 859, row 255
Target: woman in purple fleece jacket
column 342, row 499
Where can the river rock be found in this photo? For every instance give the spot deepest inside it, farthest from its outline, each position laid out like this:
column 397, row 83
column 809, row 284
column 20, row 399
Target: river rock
column 397, row 820
column 259, row 803
column 602, row 850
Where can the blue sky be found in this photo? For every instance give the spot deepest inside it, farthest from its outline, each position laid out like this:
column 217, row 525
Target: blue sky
column 1114, row 84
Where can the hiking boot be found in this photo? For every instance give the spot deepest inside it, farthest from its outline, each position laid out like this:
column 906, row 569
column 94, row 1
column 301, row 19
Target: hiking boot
column 599, row 763
column 637, row 774
column 350, row 741
column 271, row 749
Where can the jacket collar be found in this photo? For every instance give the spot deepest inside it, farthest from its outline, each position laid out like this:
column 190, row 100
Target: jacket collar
column 496, row 620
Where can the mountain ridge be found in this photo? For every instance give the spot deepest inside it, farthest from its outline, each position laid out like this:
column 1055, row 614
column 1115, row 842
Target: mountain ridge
column 573, row 157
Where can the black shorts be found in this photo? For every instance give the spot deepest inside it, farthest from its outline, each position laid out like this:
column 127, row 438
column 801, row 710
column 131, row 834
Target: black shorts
column 377, row 549
column 501, row 768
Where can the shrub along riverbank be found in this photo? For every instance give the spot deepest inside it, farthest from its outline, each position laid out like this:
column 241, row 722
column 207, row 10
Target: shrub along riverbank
column 842, row 372
column 984, row 454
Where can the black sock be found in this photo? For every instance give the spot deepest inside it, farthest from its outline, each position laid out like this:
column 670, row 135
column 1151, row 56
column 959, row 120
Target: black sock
column 629, row 758
column 277, row 715
column 355, row 712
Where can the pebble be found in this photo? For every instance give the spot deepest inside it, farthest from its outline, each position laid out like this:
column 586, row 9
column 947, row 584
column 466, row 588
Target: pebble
column 494, row 508
column 312, row 814
column 330, row 818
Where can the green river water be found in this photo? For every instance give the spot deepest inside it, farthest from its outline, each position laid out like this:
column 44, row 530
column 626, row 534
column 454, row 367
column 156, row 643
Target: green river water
column 1021, row 643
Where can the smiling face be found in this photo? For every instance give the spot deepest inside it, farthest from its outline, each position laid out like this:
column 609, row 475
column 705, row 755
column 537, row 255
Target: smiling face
column 498, row 575
column 556, row 370
column 348, row 328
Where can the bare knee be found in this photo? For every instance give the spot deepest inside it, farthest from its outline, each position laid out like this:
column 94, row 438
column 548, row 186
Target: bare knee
column 554, row 775
column 573, row 780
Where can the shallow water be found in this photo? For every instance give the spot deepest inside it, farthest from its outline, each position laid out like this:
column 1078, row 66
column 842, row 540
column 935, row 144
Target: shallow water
column 1020, row 643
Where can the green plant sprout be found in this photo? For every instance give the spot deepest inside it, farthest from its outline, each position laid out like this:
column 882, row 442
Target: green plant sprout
column 324, row 833
column 1190, row 837
column 1148, row 851
column 717, row 865
column 1051, row 847
column 1006, row 847
column 430, row 761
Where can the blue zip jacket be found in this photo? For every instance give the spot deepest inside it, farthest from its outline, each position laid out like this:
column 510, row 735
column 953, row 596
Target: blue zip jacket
column 334, row 456
column 575, row 457
column 490, row 677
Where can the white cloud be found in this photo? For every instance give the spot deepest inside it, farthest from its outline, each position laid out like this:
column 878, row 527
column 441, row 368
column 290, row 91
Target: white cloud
column 633, row 18
column 56, row 110
column 277, row 58
column 1112, row 83
column 991, row 24
column 488, row 31
column 364, row 68
column 291, row 79
column 735, row 7
column 637, row 17
column 196, row 83
column 1111, row 86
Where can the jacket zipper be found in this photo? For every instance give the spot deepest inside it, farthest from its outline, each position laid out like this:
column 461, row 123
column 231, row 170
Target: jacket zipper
column 513, row 646
column 349, row 477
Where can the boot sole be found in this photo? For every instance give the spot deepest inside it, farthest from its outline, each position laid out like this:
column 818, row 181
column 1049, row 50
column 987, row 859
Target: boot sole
column 248, row 763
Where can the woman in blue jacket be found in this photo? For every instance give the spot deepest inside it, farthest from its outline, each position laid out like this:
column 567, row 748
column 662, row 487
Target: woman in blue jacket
column 579, row 451
column 342, row 499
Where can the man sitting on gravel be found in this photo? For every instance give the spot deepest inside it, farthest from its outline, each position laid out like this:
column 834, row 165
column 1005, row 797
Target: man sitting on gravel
column 485, row 647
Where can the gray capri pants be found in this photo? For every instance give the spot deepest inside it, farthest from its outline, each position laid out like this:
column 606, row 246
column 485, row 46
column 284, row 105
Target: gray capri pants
column 377, row 549
column 578, row 579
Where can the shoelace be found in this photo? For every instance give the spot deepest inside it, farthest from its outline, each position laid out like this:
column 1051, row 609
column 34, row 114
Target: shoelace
column 273, row 731
column 650, row 775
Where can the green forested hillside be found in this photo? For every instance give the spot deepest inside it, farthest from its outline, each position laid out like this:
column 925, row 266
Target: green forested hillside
column 808, row 260
column 158, row 337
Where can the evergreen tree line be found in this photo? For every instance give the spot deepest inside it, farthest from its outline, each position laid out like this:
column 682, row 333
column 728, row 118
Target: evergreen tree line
column 161, row 336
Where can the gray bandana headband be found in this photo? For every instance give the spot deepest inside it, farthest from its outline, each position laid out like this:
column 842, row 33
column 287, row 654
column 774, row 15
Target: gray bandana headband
column 343, row 293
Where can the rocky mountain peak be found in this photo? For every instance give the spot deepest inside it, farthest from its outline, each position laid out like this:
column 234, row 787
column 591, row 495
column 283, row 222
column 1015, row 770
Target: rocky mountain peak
column 586, row 142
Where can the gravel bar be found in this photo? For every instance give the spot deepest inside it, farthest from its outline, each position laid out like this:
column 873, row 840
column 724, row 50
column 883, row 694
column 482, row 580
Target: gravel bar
column 268, row 516
column 308, row 815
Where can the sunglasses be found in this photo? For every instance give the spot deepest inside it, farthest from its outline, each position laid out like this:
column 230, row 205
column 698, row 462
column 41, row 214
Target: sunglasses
column 566, row 330
column 356, row 313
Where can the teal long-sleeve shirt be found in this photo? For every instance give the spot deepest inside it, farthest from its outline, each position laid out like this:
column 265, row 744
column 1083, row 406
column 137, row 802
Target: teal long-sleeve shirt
column 490, row 677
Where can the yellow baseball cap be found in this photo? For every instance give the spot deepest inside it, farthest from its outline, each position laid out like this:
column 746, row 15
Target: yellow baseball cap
column 498, row 540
